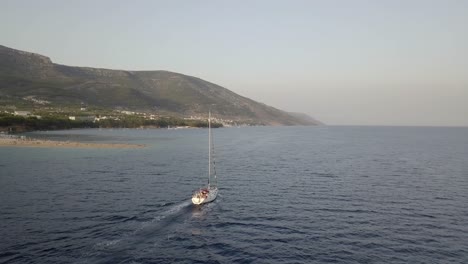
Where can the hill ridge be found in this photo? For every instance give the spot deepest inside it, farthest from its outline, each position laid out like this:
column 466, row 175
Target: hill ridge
column 25, row 74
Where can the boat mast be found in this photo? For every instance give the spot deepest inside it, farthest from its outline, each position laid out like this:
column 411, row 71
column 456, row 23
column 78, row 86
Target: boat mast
column 209, row 147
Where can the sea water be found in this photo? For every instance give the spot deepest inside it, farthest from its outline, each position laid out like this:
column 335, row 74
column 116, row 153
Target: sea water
column 286, row 195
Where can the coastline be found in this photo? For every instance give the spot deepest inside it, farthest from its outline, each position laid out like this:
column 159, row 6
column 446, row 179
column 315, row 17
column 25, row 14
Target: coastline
column 40, row 143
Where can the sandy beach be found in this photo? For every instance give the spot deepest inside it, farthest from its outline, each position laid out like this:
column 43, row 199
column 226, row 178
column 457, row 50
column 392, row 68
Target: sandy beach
column 27, row 142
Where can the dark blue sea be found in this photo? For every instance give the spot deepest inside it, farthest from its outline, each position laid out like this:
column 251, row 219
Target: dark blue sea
column 287, row 195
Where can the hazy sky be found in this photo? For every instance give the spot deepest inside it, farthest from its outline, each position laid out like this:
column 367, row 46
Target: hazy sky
column 343, row 62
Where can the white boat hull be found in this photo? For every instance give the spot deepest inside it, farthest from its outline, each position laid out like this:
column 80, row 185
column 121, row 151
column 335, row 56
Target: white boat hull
column 209, row 197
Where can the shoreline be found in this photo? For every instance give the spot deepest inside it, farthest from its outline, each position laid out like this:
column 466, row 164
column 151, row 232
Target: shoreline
column 41, row 143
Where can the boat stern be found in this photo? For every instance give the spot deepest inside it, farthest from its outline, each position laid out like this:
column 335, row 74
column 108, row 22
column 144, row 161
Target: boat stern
column 197, row 200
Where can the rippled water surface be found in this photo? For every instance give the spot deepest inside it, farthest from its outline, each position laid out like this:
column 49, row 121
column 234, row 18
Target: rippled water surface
column 287, row 195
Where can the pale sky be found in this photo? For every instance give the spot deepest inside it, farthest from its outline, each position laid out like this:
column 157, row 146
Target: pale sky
column 395, row 62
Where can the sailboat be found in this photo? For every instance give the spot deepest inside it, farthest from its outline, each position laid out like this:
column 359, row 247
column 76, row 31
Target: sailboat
column 208, row 193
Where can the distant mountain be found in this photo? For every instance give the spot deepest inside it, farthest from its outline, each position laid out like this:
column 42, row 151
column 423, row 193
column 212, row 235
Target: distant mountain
column 306, row 117
column 24, row 74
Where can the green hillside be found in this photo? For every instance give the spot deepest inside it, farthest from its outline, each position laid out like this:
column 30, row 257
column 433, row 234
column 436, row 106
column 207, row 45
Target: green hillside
column 24, row 74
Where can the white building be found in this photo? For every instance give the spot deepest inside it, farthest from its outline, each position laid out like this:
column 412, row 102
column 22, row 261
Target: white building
column 22, row 113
